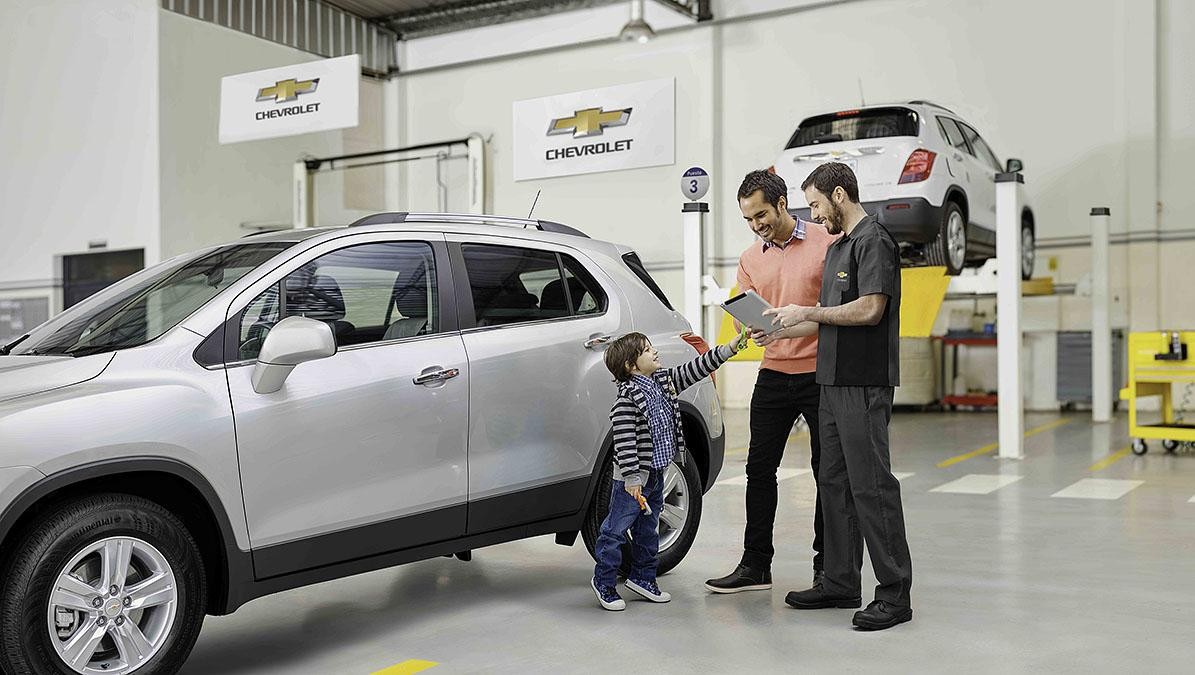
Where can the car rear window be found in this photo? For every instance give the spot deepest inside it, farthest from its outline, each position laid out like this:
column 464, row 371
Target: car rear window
column 636, row 265
column 854, row 125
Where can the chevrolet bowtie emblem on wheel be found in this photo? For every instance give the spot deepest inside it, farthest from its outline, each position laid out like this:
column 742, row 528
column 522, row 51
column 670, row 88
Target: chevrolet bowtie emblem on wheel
column 287, row 90
column 589, row 122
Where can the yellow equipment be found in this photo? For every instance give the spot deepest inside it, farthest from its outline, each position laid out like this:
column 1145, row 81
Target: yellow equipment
column 1158, row 360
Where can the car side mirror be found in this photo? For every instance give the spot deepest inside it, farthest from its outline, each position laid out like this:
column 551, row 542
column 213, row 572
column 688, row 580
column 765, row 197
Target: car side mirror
column 1014, row 166
column 292, row 341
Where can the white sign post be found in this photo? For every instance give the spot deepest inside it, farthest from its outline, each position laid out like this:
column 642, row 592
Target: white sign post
column 1101, row 326
column 694, row 184
column 624, row 127
column 1011, row 409
column 291, row 100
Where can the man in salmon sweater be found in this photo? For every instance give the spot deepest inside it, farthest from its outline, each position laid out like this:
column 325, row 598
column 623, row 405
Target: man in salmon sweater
column 784, row 266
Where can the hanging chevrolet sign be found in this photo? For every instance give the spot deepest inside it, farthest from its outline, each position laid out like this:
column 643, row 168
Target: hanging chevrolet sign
column 622, row 127
column 299, row 99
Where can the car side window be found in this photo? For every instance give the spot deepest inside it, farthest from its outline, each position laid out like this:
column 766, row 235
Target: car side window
column 584, row 291
column 366, row 293
column 952, row 134
column 982, row 151
column 514, row 285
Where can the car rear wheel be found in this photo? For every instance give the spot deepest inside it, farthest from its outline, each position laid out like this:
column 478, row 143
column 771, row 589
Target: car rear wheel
column 1028, row 250
column 949, row 250
column 678, row 522
column 105, row 584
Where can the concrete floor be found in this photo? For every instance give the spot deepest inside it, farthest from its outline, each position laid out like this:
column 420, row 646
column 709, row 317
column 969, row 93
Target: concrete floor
column 1012, row 580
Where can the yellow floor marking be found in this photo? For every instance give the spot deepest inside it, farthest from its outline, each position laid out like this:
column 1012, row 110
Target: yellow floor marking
column 991, row 447
column 1110, row 460
column 407, row 668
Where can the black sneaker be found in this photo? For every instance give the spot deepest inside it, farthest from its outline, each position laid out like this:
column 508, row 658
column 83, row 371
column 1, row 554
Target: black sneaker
column 816, row 598
column 880, row 615
column 743, row 578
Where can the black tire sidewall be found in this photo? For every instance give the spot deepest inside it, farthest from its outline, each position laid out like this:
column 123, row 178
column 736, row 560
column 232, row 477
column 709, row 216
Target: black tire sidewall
column 942, row 245
column 53, row 539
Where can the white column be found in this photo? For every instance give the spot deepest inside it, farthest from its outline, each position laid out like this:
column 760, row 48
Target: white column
column 1008, row 314
column 304, row 197
column 1101, row 327
column 694, row 251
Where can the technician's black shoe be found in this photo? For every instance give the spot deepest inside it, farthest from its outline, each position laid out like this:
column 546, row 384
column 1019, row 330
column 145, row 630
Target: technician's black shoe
column 816, row 598
column 818, row 577
column 880, row 615
column 743, row 578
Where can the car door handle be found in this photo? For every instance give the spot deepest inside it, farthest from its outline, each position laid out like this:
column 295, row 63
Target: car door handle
column 596, row 341
column 437, row 376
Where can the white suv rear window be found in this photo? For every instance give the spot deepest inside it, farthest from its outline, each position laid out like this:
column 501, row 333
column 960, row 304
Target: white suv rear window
column 854, row 125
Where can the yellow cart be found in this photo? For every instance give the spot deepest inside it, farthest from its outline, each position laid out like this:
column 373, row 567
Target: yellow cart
column 1155, row 366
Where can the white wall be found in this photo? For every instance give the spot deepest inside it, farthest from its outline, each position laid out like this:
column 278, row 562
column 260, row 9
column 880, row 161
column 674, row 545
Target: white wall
column 78, row 133
column 1100, row 112
column 209, row 190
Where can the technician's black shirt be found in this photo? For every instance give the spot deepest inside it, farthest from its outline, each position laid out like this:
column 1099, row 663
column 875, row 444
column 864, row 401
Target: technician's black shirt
column 864, row 263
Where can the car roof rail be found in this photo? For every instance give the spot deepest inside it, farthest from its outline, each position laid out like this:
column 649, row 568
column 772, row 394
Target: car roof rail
column 933, row 105
column 468, row 218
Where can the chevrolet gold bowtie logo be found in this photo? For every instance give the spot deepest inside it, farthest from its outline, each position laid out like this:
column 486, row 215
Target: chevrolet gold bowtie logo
column 287, row 90
column 842, row 275
column 589, row 122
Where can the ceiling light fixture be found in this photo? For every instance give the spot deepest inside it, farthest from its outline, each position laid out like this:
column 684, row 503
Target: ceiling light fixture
column 636, row 30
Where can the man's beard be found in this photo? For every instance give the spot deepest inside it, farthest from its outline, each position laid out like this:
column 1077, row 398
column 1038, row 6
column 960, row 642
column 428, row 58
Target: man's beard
column 833, row 220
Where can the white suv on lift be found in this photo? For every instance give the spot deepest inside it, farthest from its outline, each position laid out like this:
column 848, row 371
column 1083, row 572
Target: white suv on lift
column 925, row 173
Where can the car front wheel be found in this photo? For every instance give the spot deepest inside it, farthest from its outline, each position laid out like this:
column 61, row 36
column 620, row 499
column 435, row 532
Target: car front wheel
column 678, row 522
column 105, row 584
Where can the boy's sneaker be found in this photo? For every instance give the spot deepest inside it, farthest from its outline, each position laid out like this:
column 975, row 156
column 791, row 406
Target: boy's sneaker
column 608, row 597
column 648, row 590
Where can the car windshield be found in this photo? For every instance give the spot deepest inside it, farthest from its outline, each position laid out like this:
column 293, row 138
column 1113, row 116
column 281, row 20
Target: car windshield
column 854, row 125
column 144, row 306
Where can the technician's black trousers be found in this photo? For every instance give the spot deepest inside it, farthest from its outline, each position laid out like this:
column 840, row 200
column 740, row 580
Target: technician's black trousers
column 775, row 404
column 860, row 496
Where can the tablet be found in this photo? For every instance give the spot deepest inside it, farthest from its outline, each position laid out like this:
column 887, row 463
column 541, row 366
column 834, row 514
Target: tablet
column 748, row 308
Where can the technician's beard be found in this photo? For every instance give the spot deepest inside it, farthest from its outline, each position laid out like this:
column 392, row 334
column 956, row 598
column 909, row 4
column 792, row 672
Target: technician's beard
column 834, row 219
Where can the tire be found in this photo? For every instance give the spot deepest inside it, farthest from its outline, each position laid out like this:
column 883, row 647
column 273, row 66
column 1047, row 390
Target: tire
column 1170, row 446
column 1140, row 447
column 949, row 249
column 674, row 544
column 59, row 550
column 1028, row 250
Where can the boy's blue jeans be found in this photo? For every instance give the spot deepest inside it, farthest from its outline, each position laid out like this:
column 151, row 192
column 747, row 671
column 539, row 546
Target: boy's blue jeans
column 645, row 533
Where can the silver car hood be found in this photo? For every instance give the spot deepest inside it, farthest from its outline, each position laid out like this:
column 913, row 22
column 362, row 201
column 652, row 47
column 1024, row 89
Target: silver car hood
column 25, row 375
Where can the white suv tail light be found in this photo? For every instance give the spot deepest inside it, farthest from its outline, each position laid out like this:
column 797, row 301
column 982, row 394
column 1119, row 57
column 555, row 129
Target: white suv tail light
column 918, row 166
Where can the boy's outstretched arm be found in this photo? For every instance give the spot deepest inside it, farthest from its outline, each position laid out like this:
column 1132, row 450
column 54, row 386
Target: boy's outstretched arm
column 688, row 374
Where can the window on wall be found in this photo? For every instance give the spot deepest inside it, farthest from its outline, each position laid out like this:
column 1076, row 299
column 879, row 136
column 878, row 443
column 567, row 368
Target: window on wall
column 515, row 285
column 366, row 294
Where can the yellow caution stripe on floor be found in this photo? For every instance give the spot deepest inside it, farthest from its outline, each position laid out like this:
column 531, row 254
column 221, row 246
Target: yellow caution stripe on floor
column 1110, row 460
column 992, row 447
column 407, row 667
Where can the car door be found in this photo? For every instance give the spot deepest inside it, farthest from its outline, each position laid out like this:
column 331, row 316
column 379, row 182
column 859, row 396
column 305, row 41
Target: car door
column 535, row 319
column 365, row 451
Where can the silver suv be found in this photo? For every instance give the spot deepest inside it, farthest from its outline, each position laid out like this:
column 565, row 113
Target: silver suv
column 300, row 406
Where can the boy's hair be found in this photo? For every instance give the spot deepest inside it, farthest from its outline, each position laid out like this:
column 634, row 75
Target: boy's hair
column 772, row 185
column 622, row 354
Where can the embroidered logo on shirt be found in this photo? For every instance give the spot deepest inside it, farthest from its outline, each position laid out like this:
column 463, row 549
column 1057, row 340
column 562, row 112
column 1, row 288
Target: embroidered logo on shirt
column 842, row 275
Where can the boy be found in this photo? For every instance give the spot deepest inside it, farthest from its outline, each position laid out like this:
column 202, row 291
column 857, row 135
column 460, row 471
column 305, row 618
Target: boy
column 647, row 436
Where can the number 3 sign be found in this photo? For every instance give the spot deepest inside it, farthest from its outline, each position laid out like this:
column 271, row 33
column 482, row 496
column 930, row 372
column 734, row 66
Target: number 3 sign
column 695, row 183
